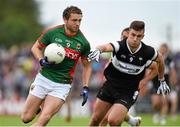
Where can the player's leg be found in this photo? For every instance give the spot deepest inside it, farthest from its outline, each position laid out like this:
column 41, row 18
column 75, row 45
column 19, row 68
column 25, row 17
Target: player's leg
column 33, row 101
column 133, row 121
column 53, row 101
column 35, row 98
column 156, row 103
column 173, row 98
column 68, row 104
column 30, row 108
column 51, row 106
column 117, row 114
column 132, row 110
column 100, row 109
column 119, row 110
column 40, row 108
column 104, row 122
column 164, row 110
column 102, row 105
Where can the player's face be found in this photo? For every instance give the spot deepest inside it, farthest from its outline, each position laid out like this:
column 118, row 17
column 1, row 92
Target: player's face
column 135, row 37
column 73, row 23
column 163, row 50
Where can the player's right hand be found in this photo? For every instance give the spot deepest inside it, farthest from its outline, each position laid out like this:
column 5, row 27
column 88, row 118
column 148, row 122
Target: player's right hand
column 94, row 55
column 44, row 63
column 163, row 88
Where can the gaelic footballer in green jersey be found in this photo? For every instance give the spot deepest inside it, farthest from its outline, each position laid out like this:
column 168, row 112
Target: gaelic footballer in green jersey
column 75, row 46
column 53, row 84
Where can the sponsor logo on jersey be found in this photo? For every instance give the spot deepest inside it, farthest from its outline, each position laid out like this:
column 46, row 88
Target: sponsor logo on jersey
column 58, row 40
column 127, row 68
column 123, row 56
column 72, row 54
column 140, row 58
column 78, row 46
column 68, row 45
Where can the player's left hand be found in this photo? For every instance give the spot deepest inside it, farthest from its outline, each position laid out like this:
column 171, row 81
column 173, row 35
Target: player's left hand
column 94, row 55
column 84, row 94
column 163, row 88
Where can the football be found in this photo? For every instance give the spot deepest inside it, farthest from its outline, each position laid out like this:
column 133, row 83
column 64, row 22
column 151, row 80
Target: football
column 55, row 53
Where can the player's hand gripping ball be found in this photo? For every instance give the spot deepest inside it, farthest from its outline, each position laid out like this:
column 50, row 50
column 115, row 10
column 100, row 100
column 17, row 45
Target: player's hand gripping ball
column 55, row 53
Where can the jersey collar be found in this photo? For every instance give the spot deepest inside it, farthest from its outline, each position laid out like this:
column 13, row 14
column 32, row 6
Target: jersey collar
column 136, row 49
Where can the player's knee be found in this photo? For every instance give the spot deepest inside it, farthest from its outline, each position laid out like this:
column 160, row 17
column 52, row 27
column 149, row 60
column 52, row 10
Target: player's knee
column 105, row 119
column 156, row 104
column 96, row 120
column 114, row 122
column 26, row 118
column 43, row 120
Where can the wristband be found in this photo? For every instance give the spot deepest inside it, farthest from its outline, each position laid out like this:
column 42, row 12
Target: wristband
column 86, row 87
column 99, row 50
column 163, row 79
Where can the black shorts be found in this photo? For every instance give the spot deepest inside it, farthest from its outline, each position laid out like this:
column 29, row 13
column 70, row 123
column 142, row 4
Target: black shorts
column 112, row 95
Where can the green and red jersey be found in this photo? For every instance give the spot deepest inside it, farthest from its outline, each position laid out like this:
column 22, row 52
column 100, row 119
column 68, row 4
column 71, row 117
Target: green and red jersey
column 75, row 47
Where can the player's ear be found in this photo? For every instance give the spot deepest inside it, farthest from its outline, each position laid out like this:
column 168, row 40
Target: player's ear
column 65, row 20
column 142, row 36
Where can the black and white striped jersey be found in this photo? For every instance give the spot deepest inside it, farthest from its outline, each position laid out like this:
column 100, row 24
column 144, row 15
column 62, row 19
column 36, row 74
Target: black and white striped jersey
column 127, row 68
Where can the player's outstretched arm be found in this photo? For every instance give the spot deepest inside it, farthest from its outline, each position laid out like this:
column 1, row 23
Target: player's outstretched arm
column 153, row 71
column 85, row 79
column 161, row 66
column 95, row 53
column 163, row 88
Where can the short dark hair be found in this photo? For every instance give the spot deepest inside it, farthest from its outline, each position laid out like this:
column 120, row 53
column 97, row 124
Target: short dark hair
column 137, row 25
column 72, row 9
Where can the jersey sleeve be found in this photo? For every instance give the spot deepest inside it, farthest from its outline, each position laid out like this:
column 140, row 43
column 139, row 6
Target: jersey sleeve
column 115, row 46
column 44, row 39
column 155, row 54
column 151, row 53
column 86, row 49
column 148, row 63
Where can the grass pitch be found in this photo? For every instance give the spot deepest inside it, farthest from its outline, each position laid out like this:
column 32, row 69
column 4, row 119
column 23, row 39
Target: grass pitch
column 81, row 121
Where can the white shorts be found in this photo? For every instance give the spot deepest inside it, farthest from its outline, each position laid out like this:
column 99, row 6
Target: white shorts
column 41, row 87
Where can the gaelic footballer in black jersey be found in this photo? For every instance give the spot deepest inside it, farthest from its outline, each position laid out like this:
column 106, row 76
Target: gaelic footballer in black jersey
column 125, row 71
column 125, row 75
column 127, row 67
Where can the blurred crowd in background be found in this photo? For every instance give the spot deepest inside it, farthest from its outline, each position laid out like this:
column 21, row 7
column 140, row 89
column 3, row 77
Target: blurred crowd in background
column 18, row 69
